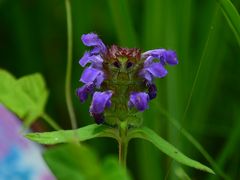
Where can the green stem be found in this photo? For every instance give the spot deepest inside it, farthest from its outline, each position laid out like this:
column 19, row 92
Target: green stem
column 50, row 121
column 69, row 66
column 123, row 144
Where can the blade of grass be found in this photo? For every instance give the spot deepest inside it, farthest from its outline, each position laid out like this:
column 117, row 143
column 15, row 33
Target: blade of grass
column 195, row 143
column 123, row 22
column 231, row 144
column 153, row 37
column 231, row 14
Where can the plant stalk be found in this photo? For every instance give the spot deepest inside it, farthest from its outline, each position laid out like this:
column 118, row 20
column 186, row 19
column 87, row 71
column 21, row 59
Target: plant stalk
column 69, row 66
column 123, row 144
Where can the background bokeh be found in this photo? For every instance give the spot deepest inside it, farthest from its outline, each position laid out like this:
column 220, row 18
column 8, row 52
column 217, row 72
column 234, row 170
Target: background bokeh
column 33, row 39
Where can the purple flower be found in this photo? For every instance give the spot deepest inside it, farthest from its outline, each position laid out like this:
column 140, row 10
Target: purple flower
column 165, row 56
column 153, row 70
column 84, row 91
column 92, row 75
column 139, row 100
column 100, row 101
column 95, row 60
column 92, row 39
column 120, row 72
column 156, row 68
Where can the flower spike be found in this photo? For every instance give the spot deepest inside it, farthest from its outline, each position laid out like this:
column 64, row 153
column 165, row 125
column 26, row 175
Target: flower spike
column 124, row 77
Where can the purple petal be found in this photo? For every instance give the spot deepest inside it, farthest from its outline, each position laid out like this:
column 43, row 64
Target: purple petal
column 171, row 57
column 146, row 75
column 96, row 60
column 154, row 70
column 84, row 91
column 85, row 59
column 100, row 78
column 91, row 74
column 155, row 53
column 157, row 70
column 92, row 39
column 139, row 100
column 165, row 56
column 100, row 101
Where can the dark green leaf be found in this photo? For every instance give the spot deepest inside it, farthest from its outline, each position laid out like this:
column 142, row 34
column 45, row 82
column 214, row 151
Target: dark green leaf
column 232, row 16
column 167, row 148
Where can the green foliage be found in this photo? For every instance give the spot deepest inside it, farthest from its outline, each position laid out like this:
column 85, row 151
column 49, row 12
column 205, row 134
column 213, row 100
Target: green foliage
column 195, row 143
column 166, row 147
column 232, row 16
column 93, row 131
column 77, row 162
column 81, row 134
column 26, row 96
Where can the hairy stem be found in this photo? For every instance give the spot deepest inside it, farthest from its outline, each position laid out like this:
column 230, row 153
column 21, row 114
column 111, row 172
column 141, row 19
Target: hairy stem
column 69, row 66
column 123, row 144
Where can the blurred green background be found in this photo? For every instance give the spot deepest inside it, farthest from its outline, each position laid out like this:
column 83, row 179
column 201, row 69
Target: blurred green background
column 33, row 39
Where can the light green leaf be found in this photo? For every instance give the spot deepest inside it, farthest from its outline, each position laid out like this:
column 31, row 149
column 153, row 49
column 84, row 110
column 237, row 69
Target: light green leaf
column 35, row 89
column 166, row 147
column 232, row 16
column 11, row 96
column 81, row 134
column 25, row 97
column 82, row 164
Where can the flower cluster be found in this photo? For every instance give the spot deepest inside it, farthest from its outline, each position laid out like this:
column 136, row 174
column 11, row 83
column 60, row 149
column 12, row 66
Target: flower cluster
column 120, row 80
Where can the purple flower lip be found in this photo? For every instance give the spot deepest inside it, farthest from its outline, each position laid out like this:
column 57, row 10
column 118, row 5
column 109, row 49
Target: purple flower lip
column 92, row 75
column 156, row 69
column 84, row 91
column 165, row 56
column 139, row 100
column 95, row 60
column 92, row 39
column 100, row 101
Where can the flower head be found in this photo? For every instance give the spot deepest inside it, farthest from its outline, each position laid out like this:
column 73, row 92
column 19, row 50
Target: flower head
column 124, row 78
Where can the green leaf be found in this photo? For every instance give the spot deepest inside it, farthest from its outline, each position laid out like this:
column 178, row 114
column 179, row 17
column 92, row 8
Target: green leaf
column 9, row 95
column 232, row 16
column 25, row 97
column 167, row 148
column 35, row 89
column 195, row 143
column 76, row 162
column 81, row 134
